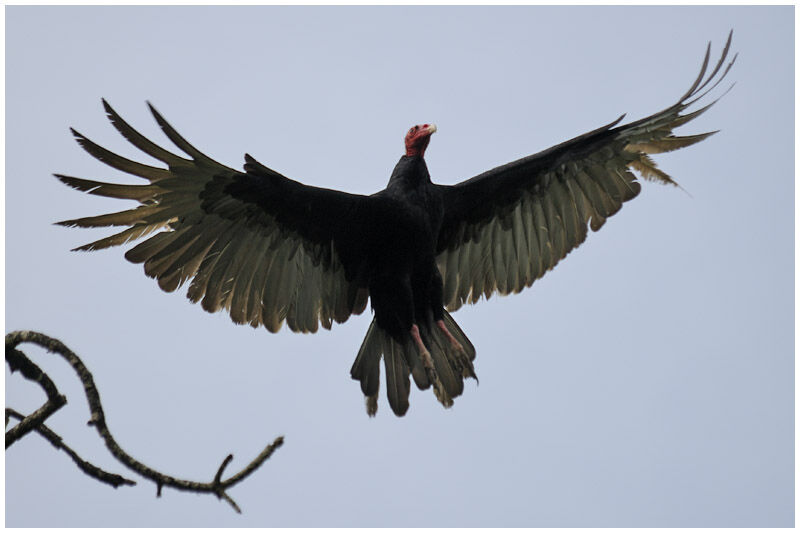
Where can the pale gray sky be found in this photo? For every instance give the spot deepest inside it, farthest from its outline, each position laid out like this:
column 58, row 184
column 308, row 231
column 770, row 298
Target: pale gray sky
column 647, row 381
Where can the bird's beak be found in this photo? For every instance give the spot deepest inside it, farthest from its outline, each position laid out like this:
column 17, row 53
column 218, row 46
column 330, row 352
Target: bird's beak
column 431, row 128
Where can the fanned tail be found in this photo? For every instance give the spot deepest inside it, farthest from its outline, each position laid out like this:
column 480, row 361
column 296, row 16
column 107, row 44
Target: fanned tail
column 401, row 361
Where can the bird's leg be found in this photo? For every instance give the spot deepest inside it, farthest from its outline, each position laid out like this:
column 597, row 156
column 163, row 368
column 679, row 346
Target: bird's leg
column 423, row 351
column 453, row 342
column 461, row 353
column 427, row 362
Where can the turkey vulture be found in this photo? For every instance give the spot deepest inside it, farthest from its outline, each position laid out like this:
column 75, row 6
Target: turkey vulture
column 269, row 249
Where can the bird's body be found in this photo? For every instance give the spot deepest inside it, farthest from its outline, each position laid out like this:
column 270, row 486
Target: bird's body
column 403, row 249
column 269, row 249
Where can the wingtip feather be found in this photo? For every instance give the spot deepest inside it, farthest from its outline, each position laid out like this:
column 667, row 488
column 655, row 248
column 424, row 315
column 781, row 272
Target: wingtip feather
column 110, row 112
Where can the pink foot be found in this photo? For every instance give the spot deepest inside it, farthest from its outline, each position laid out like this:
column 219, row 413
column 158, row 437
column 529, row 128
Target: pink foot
column 453, row 342
column 430, row 370
column 461, row 354
column 418, row 341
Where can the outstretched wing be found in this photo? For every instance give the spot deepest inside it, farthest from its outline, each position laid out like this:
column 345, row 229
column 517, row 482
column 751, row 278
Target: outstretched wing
column 261, row 246
column 505, row 228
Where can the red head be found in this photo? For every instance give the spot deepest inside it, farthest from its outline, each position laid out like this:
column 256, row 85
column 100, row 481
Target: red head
column 417, row 139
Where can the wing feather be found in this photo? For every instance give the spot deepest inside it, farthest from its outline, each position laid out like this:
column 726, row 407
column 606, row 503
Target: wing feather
column 496, row 272
column 542, row 232
column 219, row 279
column 131, row 234
column 532, row 234
column 141, row 193
column 555, row 227
column 520, row 246
column 253, row 304
column 569, row 216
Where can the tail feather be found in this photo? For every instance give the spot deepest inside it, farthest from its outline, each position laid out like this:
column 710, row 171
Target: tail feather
column 402, row 361
column 365, row 368
column 418, row 371
column 397, row 372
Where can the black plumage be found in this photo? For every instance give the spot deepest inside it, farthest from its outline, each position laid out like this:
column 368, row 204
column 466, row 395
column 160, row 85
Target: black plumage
column 269, row 249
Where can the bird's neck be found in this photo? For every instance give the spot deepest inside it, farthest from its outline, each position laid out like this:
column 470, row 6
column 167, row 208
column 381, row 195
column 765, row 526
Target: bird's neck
column 411, row 170
column 418, row 149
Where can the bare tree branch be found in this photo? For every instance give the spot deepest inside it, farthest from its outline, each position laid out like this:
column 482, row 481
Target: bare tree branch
column 18, row 361
column 115, row 480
